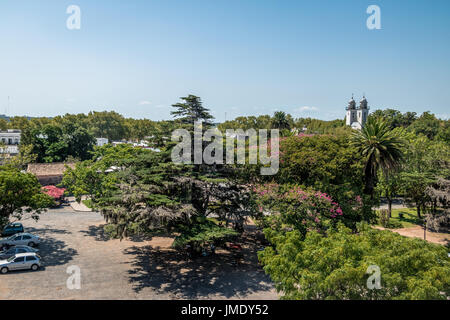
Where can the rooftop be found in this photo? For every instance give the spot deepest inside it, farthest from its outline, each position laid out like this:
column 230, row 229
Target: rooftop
column 49, row 169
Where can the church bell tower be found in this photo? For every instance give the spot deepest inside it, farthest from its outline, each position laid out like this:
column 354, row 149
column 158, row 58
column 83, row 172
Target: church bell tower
column 357, row 117
column 351, row 112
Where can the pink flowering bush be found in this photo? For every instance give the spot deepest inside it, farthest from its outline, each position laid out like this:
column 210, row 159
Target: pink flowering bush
column 291, row 207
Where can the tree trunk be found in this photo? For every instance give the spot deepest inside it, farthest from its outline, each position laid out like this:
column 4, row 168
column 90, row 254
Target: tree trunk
column 389, row 200
column 418, row 210
column 369, row 182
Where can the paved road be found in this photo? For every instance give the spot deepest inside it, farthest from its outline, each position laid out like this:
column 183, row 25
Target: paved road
column 113, row 269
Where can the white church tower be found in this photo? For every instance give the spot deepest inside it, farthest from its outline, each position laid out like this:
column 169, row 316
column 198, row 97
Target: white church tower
column 351, row 112
column 357, row 117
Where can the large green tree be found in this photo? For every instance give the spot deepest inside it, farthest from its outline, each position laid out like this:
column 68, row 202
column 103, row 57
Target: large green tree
column 395, row 118
column 140, row 191
column 281, row 120
column 153, row 194
column 425, row 162
column 107, row 124
column 427, row 124
column 337, row 265
column 191, row 110
column 97, row 176
column 79, row 142
column 327, row 163
column 381, row 147
column 388, row 187
column 20, row 193
column 54, row 143
column 188, row 114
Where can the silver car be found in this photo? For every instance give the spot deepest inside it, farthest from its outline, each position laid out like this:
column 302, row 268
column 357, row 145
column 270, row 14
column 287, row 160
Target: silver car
column 21, row 261
column 25, row 239
column 4, row 255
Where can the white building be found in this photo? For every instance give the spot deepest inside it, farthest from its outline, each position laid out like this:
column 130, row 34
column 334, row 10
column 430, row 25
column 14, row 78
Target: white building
column 101, row 141
column 10, row 137
column 9, row 150
column 357, row 117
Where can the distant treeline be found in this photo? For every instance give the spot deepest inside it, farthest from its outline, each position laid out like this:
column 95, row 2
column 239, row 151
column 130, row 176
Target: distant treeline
column 113, row 126
column 427, row 123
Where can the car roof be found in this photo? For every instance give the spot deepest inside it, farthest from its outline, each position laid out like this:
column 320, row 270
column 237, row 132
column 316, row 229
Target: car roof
column 24, row 234
column 14, row 224
column 26, row 254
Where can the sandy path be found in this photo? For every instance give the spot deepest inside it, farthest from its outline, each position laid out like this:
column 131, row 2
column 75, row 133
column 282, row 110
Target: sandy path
column 417, row 232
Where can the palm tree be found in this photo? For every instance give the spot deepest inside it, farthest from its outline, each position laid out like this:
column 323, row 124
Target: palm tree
column 382, row 149
column 280, row 120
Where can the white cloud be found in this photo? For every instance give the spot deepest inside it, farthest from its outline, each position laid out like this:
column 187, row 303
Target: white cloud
column 144, row 102
column 307, row 108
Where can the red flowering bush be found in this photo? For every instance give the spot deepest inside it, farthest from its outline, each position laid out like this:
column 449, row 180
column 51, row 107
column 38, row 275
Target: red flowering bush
column 291, row 207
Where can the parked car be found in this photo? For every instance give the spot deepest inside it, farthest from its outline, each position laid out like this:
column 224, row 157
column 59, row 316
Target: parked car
column 6, row 254
column 21, row 261
column 11, row 229
column 26, row 239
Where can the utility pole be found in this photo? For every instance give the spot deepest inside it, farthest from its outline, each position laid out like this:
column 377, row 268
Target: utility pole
column 7, row 107
column 424, row 228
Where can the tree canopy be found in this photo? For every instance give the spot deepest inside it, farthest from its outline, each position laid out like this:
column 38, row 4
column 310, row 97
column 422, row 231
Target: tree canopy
column 336, row 265
column 20, row 193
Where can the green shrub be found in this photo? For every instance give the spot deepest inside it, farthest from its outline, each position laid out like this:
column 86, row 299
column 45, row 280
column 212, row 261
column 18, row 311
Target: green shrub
column 335, row 265
column 201, row 234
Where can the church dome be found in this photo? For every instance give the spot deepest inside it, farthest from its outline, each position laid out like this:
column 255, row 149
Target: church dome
column 363, row 103
column 352, row 104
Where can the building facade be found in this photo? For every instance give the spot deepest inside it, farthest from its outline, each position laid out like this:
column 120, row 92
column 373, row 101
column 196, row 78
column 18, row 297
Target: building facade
column 9, row 142
column 10, row 137
column 357, row 116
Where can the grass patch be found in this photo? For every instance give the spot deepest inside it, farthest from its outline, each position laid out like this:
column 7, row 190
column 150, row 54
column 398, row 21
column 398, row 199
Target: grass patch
column 87, row 203
column 409, row 219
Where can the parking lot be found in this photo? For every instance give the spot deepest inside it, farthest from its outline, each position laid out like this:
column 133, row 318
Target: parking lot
column 127, row 269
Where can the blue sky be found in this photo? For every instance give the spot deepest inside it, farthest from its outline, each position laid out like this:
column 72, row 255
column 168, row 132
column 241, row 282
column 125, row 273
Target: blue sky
column 242, row 57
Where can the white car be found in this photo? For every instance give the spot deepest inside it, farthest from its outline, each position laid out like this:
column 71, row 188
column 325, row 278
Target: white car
column 21, row 261
column 26, row 239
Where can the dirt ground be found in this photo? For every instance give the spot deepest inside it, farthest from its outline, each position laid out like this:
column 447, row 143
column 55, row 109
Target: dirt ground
column 417, row 232
column 128, row 269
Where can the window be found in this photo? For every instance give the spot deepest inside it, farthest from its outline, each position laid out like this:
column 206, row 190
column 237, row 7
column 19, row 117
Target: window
column 26, row 237
column 21, row 250
column 31, row 258
column 19, row 259
column 18, row 238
